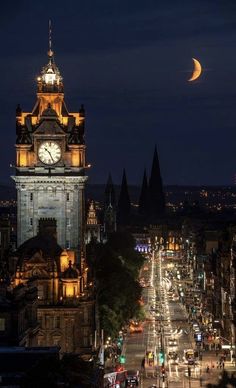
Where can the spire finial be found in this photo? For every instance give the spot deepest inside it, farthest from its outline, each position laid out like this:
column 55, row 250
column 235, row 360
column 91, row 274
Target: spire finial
column 50, row 52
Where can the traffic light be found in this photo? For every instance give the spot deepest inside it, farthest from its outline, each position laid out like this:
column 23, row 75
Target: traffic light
column 119, row 342
column 122, row 359
column 119, row 368
column 163, row 372
column 161, row 357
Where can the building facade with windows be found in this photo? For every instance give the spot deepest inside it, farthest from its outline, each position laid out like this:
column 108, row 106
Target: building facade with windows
column 65, row 304
column 18, row 315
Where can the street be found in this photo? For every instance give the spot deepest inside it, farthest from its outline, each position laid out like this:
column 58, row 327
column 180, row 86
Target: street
column 167, row 333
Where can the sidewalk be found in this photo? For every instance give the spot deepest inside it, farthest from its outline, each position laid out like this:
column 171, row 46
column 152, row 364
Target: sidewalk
column 209, row 358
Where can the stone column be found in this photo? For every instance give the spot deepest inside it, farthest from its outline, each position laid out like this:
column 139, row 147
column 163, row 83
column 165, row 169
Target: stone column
column 81, row 224
column 18, row 215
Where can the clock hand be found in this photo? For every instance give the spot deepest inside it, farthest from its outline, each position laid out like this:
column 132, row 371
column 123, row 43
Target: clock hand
column 49, row 154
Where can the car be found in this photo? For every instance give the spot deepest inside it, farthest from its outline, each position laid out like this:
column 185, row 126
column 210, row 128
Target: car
column 191, row 361
column 190, row 357
column 135, row 327
column 132, row 378
column 172, row 341
column 175, row 298
column 172, row 355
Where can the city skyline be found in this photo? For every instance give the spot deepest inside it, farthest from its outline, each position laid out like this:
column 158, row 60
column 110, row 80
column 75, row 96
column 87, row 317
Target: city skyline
column 107, row 281
column 129, row 65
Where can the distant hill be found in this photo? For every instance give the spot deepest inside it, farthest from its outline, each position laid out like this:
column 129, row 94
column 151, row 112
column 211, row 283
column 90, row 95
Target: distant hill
column 97, row 192
column 173, row 192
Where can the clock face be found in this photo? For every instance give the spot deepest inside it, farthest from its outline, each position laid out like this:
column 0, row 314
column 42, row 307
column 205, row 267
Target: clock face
column 49, row 152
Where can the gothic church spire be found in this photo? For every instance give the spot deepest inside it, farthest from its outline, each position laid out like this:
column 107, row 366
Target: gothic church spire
column 143, row 206
column 109, row 207
column 124, row 206
column 156, row 194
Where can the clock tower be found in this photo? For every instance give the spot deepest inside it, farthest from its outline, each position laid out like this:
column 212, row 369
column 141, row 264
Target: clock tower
column 50, row 163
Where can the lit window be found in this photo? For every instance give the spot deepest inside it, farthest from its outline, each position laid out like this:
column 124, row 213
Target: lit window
column 2, row 324
column 40, row 320
column 86, row 316
column 47, row 319
column 56, row 341
column 57, row 322
column 40, row 291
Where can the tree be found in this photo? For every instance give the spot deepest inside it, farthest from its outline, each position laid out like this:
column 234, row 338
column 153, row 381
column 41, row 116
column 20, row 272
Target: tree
column 123, row 244
column 116, row 269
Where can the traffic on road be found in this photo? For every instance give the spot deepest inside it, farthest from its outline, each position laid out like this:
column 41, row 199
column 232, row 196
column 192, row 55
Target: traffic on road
column 169, row 348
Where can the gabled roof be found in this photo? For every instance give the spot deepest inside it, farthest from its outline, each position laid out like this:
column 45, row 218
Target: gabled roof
column 46, row 244
column 49, row 126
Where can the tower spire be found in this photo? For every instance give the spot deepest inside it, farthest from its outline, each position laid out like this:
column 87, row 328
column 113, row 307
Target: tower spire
column 124, row 206
column 156, row 194
column 110, row 199
column 144, row 197
column 50, row 80
column 109, row 208
column 50, row 51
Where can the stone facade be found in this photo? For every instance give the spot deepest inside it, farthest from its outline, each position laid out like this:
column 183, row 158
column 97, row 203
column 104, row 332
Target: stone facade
column 66, row 326
column 50, row 197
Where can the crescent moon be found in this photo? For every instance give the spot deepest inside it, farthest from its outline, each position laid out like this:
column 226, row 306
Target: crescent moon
column 196, row 71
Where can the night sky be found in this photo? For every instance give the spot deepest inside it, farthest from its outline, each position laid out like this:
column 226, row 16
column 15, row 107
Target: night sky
column 128, row 61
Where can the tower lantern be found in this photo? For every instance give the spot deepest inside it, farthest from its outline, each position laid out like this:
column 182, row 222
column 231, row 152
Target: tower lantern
column 50, row 79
